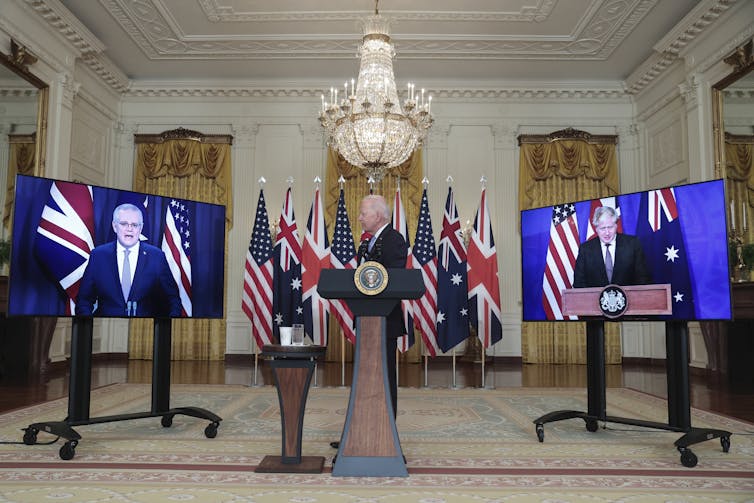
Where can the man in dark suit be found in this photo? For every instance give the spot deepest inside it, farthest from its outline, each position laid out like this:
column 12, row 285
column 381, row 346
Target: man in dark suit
column 614, row 258
column 127, row 277
column 386, row 246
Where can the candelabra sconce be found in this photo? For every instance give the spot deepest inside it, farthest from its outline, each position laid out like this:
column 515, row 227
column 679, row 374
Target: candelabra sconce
column 740, row 270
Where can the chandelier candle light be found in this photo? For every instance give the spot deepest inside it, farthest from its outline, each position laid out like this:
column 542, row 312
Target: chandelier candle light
column 367, row 126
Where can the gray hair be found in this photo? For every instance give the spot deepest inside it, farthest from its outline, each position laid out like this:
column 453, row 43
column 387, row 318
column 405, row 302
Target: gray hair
column 602, row 212
column 379, row 204
column 127, row 206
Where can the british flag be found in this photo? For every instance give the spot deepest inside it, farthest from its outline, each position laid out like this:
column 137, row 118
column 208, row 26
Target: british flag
column 315, row 256
column 176, row 244
column 287, row 304
column 256, row 299
column 343, row 256
column 452, row 291
column 562, row 250
column 424, row 257
column 484, row 286
column 65, row 236
column 406, row 340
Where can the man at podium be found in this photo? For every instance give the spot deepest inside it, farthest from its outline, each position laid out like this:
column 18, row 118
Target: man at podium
column 387, row 247
column 614, row 258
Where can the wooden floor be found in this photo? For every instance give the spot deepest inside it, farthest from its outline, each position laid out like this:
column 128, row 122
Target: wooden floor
column 708, row 392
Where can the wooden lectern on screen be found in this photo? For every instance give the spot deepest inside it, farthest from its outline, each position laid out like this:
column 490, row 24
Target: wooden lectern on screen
column 642, row 300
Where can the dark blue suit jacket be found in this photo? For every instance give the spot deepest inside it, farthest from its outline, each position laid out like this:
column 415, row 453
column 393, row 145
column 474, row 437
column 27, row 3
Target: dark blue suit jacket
column 153, row 290
column 629, row 265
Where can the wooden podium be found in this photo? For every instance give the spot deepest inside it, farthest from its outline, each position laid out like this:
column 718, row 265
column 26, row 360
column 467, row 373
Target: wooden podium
column 642, row 301
column 369, row 444
column 293, row 367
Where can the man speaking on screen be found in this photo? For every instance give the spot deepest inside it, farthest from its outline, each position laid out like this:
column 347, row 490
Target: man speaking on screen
column 613, row 259
column 127, row 277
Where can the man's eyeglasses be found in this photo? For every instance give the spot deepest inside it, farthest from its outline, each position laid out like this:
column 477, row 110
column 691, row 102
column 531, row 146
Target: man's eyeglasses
column 129, row 225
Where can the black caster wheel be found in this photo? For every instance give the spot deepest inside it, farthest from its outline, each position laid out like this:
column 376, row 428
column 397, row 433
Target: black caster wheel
column 166, row 421
column 591, row 425
column 725, row 443
column 688, row 458
column 68, row 451
column 211, row 430
column 30, row 436
column 541, row 433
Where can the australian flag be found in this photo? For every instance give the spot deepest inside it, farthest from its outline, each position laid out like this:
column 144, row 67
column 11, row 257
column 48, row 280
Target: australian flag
column 452, row 284
column 659, row 229
column 287, row 307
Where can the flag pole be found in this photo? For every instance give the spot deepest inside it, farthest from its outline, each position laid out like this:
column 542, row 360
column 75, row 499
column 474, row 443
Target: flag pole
column 343, row 361
column 453, row 381
column 484, row 359
column 256, row 365
column 426, row 359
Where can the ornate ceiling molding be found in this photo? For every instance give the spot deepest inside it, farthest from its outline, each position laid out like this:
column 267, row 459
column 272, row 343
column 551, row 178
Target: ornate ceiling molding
column 221, row 12
column 159, row 36
column 670, row 48
column 517, row 94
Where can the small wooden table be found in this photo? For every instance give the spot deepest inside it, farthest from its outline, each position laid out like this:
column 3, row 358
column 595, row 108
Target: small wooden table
column 292, row 367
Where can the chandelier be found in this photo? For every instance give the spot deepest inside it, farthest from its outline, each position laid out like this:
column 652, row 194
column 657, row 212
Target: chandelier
column 368, row 126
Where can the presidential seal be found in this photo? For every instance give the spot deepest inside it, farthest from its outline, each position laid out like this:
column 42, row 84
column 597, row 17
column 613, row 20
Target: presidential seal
column 613, row 302
column 370, row 278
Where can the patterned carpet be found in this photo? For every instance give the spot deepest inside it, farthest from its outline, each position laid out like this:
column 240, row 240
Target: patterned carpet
column 467, row 445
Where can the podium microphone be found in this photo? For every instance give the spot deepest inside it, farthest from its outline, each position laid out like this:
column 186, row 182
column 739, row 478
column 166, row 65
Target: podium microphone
column 363, row 250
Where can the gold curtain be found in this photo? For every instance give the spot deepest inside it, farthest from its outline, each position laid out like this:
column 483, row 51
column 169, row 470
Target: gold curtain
column 189, row 165
column 355, row 188
column 739, row 174
column 20, row 161
column 565, row 166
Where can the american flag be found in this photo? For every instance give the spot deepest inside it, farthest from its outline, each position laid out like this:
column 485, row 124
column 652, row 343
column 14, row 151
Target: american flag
column 176, row 244
column 484, row 286
column 65, row 236
column 424, row 257
column 343, row 256
column 256, row 299
column 315, row 256
column 406, row 340
column 561, row 259
column 287, row 304
column 452, row 291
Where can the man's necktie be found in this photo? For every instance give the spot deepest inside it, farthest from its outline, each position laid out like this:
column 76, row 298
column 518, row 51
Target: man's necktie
column 608, row 262
column 371, row 242
column 125, row 280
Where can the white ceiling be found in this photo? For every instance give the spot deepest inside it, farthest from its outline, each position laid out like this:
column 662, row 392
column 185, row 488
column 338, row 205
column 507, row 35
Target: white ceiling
column 436, row 40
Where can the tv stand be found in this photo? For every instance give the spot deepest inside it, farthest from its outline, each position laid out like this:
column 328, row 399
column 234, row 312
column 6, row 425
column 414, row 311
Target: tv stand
column 679, row 409
column 80, row 390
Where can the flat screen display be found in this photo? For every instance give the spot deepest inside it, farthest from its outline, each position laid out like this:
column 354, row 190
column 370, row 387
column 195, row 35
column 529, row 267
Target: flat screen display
column 68, row 254
column 675, row 235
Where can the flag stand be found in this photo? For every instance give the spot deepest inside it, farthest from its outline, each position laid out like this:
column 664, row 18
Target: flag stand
column 256, row 367
column 453, row 384
column 484, row 359
column 343, row 361
column 426, row 360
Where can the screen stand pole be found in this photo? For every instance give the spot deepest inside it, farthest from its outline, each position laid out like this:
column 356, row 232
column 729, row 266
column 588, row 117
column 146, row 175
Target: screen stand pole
column 595, row 369
column 161, row 365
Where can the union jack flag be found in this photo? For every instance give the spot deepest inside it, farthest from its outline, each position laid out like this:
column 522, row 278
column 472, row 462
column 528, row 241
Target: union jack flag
column 424, row 258
column 343, row 256
column 256, row 299
column 561, row 259
column 315, row 256
column 65, row 236
column 452, row 292
column 406, row 340
column 286, row 278
column 176, row 244
column 484, row 287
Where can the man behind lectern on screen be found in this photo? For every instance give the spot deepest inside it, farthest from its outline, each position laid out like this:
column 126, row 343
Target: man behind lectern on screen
column 614, row 258
column 127, row 277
